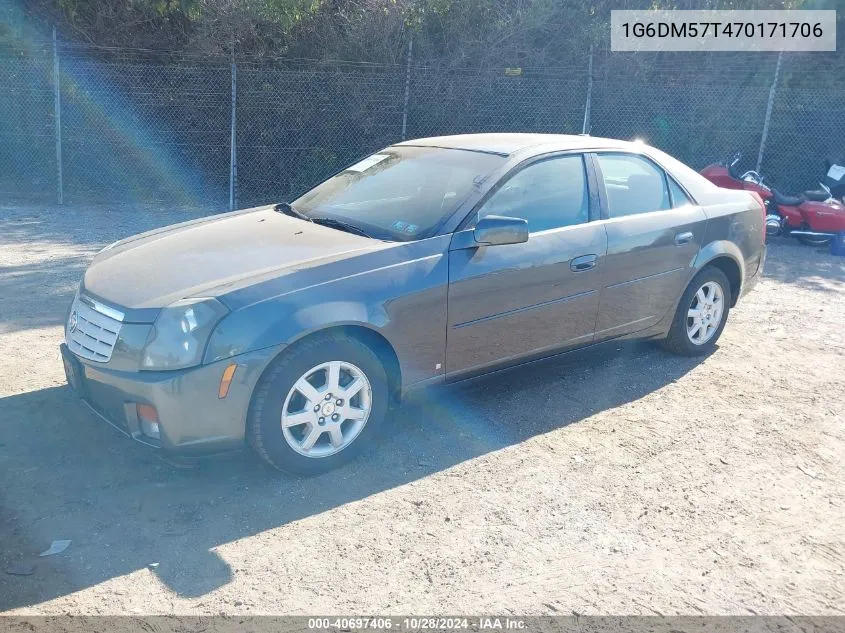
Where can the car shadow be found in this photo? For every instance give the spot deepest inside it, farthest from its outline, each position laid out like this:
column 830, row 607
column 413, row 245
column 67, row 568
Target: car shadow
column 65, row 475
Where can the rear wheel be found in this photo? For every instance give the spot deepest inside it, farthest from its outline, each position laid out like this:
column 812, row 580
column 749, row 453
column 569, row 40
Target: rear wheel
column 813, row 241
column 701, row 314
column 318, row 405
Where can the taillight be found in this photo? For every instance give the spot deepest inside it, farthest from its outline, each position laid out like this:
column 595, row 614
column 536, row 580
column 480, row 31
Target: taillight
column 762, row 204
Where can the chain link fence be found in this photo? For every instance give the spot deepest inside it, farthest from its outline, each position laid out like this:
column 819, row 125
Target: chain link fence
column 28, row 128
column 296, row 126
column 698, row 120
column 117, row 128
column 460, row 102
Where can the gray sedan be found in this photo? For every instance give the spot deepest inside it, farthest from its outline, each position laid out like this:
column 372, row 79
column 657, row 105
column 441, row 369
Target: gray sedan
column 296, row 327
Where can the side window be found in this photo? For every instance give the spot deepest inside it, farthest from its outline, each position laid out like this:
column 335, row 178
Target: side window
column 549, row 194
column 679, row 196
column 633, row 184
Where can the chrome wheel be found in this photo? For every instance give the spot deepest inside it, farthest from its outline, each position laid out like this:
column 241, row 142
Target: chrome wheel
column 326, row 409
column 705, row 313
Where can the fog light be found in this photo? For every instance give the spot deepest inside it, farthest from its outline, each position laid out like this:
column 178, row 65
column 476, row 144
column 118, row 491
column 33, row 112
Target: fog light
column 148, row 417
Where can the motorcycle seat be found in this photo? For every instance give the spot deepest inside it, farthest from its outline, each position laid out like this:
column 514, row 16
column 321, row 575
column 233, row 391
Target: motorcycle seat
column 817, row 196
column 782, row 198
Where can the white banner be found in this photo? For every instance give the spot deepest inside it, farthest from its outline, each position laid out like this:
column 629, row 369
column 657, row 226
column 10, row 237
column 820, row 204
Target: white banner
column 747, row 31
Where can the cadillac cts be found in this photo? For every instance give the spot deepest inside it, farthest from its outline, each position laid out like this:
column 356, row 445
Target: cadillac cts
column 295, row 327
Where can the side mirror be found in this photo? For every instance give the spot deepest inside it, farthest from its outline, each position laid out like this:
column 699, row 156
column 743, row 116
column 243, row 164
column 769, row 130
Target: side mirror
column 494, row 230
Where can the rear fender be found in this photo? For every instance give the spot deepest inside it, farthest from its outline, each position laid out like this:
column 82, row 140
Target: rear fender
column 792, row 215
column 823, row 217
column 717, row 249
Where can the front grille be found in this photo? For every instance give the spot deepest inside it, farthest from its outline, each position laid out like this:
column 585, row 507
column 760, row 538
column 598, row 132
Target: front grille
column 90, row 333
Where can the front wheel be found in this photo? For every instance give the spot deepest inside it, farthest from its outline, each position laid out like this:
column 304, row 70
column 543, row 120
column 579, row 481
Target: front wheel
column 701, row 314
column 318, row 405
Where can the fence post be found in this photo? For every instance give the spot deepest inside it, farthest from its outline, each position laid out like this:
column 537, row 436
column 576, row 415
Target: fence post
column 587, row 125
column 233, row 151
column 769, row 107
column 57, row 108
column 407, row 88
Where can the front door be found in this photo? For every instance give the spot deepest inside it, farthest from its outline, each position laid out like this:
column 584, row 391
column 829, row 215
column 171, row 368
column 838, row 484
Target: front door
column 514, row 301
column 654, row 233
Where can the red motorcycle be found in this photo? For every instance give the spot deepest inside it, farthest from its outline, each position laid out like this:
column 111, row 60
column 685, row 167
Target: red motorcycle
column 814, row 217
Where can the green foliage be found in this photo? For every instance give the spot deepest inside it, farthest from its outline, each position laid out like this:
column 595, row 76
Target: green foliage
column 289, row 13
column 524, row 33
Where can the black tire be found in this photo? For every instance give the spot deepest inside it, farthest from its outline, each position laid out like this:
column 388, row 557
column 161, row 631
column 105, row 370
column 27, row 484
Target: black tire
column 678, row 341
column 813, row 241
column 264, row 428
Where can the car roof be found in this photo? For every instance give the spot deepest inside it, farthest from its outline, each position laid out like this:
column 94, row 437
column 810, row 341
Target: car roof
column 521, row 146
column 505, row 144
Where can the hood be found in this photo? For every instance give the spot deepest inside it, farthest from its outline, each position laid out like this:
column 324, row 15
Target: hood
column 154, row 269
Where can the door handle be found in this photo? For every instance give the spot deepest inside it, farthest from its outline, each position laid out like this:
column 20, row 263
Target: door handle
column 683, row 238
column 585, row 262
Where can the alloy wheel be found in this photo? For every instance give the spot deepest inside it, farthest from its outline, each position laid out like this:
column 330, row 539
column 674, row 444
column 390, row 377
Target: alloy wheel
column 705, row 313
column 326, row 409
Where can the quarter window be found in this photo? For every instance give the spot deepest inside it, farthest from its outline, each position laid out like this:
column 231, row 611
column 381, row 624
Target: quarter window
column 679, row 196
column 633, row 185
column 548, row 194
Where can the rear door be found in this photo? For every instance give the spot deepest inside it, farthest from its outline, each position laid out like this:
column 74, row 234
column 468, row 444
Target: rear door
column 513, row 301
column 654, row 232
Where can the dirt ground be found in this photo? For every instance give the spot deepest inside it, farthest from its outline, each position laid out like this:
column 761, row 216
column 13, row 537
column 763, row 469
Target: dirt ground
column 620, row 481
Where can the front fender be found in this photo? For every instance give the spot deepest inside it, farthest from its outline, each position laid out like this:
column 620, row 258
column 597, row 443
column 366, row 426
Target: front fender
column 400, row 295
column 281, row 322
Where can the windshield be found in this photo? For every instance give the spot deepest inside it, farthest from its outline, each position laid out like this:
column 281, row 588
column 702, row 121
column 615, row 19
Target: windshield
column 400, row 193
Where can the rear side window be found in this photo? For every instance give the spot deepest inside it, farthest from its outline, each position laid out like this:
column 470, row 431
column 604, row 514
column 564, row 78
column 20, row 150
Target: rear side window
column 679, row 196
column 548, row 194
column 633, row 185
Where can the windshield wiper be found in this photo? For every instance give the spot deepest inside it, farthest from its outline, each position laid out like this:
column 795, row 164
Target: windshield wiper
column 343, row 226
column 287, row 209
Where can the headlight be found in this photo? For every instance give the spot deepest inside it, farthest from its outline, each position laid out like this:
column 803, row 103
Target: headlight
column 180, row 333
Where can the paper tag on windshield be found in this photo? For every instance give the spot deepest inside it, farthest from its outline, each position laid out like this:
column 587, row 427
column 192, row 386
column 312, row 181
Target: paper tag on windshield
column 836, row 172
column 368, row 162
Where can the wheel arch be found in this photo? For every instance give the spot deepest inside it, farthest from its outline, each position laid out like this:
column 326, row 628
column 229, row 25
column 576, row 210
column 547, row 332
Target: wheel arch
column 727, row 257
column 368, row 336
column 731, row 269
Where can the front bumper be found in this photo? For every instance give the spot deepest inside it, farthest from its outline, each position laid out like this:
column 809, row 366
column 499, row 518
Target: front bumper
column 192, row 419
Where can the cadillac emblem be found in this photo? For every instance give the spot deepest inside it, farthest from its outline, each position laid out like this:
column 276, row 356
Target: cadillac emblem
column 72, row 322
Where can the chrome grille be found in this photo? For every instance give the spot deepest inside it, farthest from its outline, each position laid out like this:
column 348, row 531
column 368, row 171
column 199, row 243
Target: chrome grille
column 90, row 332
